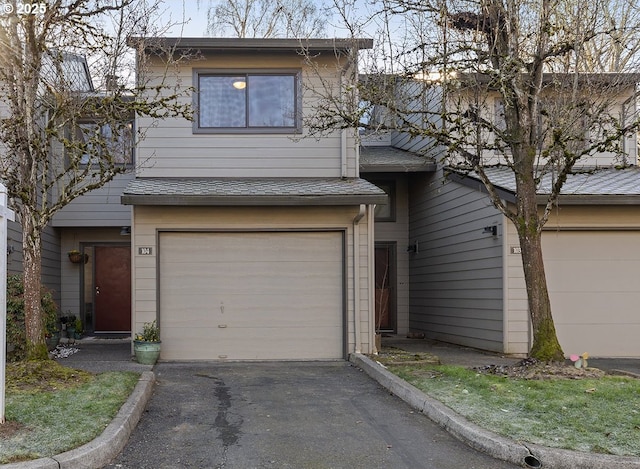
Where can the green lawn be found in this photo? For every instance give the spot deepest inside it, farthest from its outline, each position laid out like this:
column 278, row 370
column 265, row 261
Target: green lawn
column 593, row 415
column 51, row 409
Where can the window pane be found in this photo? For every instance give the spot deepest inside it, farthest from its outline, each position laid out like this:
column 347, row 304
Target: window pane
column 85, row 133
column 103, row 140
column 271, row 101
column 222, row 101
column 119, row 144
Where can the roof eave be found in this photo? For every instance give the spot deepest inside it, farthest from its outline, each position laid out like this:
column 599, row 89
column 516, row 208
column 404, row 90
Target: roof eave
column 592, row 199
column 477, row 184
column 426, row 168
column 288, row 200
column 236, row 44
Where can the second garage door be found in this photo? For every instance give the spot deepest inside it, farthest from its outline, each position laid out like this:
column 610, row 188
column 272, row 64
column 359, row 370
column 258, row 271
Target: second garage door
column 593, row 285
column 251, row 295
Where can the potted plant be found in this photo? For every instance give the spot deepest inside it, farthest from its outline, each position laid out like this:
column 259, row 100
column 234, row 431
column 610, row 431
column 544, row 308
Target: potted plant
column 79, row 329
column 51, row 330
column 146, row 345
column 77, row 257
column 71, row 328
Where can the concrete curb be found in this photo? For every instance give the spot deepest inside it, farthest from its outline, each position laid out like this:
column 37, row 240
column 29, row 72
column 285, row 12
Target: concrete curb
column 499, row 447
column 103, row 449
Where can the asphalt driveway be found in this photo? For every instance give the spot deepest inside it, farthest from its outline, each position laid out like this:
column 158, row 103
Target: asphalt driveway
column 285, row 415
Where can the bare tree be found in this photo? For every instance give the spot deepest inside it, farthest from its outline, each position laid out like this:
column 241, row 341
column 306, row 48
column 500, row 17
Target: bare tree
column 486, row 82
column 265, row 18
column 60, row 138
column 616, row 44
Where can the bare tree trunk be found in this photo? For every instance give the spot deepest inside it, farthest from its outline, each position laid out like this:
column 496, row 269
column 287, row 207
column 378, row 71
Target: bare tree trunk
column 34, row 324
column 545, row 342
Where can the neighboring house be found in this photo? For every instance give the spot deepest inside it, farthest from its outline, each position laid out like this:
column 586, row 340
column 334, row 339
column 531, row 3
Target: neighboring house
column 75, row 69
column 457, row 273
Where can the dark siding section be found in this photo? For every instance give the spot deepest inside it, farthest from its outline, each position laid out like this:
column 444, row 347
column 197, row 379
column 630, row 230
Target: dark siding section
column 456, row 277
column 51, row 275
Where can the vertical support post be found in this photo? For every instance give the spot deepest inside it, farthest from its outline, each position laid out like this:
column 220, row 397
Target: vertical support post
column 5, row 215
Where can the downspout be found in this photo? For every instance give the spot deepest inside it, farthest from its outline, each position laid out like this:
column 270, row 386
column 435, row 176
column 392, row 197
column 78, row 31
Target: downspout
column 343, row 153
column 343, row 143
column 356, row 277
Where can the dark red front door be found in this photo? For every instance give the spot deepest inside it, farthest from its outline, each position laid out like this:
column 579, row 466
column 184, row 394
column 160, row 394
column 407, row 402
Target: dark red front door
column 112, row 295
column 385, row 279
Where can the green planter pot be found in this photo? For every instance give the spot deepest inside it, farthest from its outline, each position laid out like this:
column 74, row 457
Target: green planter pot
column 52, row 341
column 147, row 353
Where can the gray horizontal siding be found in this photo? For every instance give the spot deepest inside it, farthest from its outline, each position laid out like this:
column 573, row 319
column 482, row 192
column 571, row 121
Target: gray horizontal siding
column 50, row 256
column 98, row 208
column 170, row 147
column 14, row 243
column 456, row 291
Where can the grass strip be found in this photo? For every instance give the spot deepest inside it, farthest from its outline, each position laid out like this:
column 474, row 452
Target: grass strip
column 592, row 415
column 43, row 423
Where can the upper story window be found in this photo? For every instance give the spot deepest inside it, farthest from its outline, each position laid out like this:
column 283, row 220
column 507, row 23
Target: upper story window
column 104, row 140
column 248, row 102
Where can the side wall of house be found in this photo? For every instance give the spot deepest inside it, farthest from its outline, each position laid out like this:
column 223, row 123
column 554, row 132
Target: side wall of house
column 456, row 275
column 100, row 207
column 172, row 149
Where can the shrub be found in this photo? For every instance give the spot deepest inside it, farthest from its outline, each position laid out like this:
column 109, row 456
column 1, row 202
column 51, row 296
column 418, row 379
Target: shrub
column 16, row 335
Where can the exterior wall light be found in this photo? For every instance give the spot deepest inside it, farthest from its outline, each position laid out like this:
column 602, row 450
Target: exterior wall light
column 493, row 230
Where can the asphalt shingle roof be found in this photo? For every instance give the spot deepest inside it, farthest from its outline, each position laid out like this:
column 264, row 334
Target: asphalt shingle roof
column 251, row 191
column 389, row 159
column 608, row 181
column 596, row 184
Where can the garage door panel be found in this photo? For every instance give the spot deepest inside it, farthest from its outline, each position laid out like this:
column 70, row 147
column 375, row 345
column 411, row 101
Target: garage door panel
column 292, row 343
column 604, row 308
column 249, row 248
column 309, row 317
column 588, row 275
column 281, row 290
column 242, row 306
column 593, row 245
column 586, row 338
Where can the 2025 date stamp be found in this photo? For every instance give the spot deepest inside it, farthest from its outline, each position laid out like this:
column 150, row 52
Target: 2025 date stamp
column 23, row 8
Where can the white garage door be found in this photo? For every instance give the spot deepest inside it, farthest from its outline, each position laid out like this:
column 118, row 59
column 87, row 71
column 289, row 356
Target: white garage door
column 251, row 295
column 594, row 284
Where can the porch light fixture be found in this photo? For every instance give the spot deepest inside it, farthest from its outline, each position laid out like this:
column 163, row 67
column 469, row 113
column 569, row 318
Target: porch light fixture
column 413, row 247
column 493, row 230
column 239, row 84
column 125, row 231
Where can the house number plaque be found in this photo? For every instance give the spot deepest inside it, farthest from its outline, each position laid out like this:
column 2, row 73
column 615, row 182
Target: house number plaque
column 144, row 251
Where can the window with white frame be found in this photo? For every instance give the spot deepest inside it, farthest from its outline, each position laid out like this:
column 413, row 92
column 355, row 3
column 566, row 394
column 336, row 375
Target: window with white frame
column 249, row 102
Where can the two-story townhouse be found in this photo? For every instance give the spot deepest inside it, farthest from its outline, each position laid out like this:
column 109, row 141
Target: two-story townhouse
column 457, row 275
column 249, row 240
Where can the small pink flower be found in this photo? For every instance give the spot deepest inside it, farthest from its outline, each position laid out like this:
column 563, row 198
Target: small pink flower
column 574, row 358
